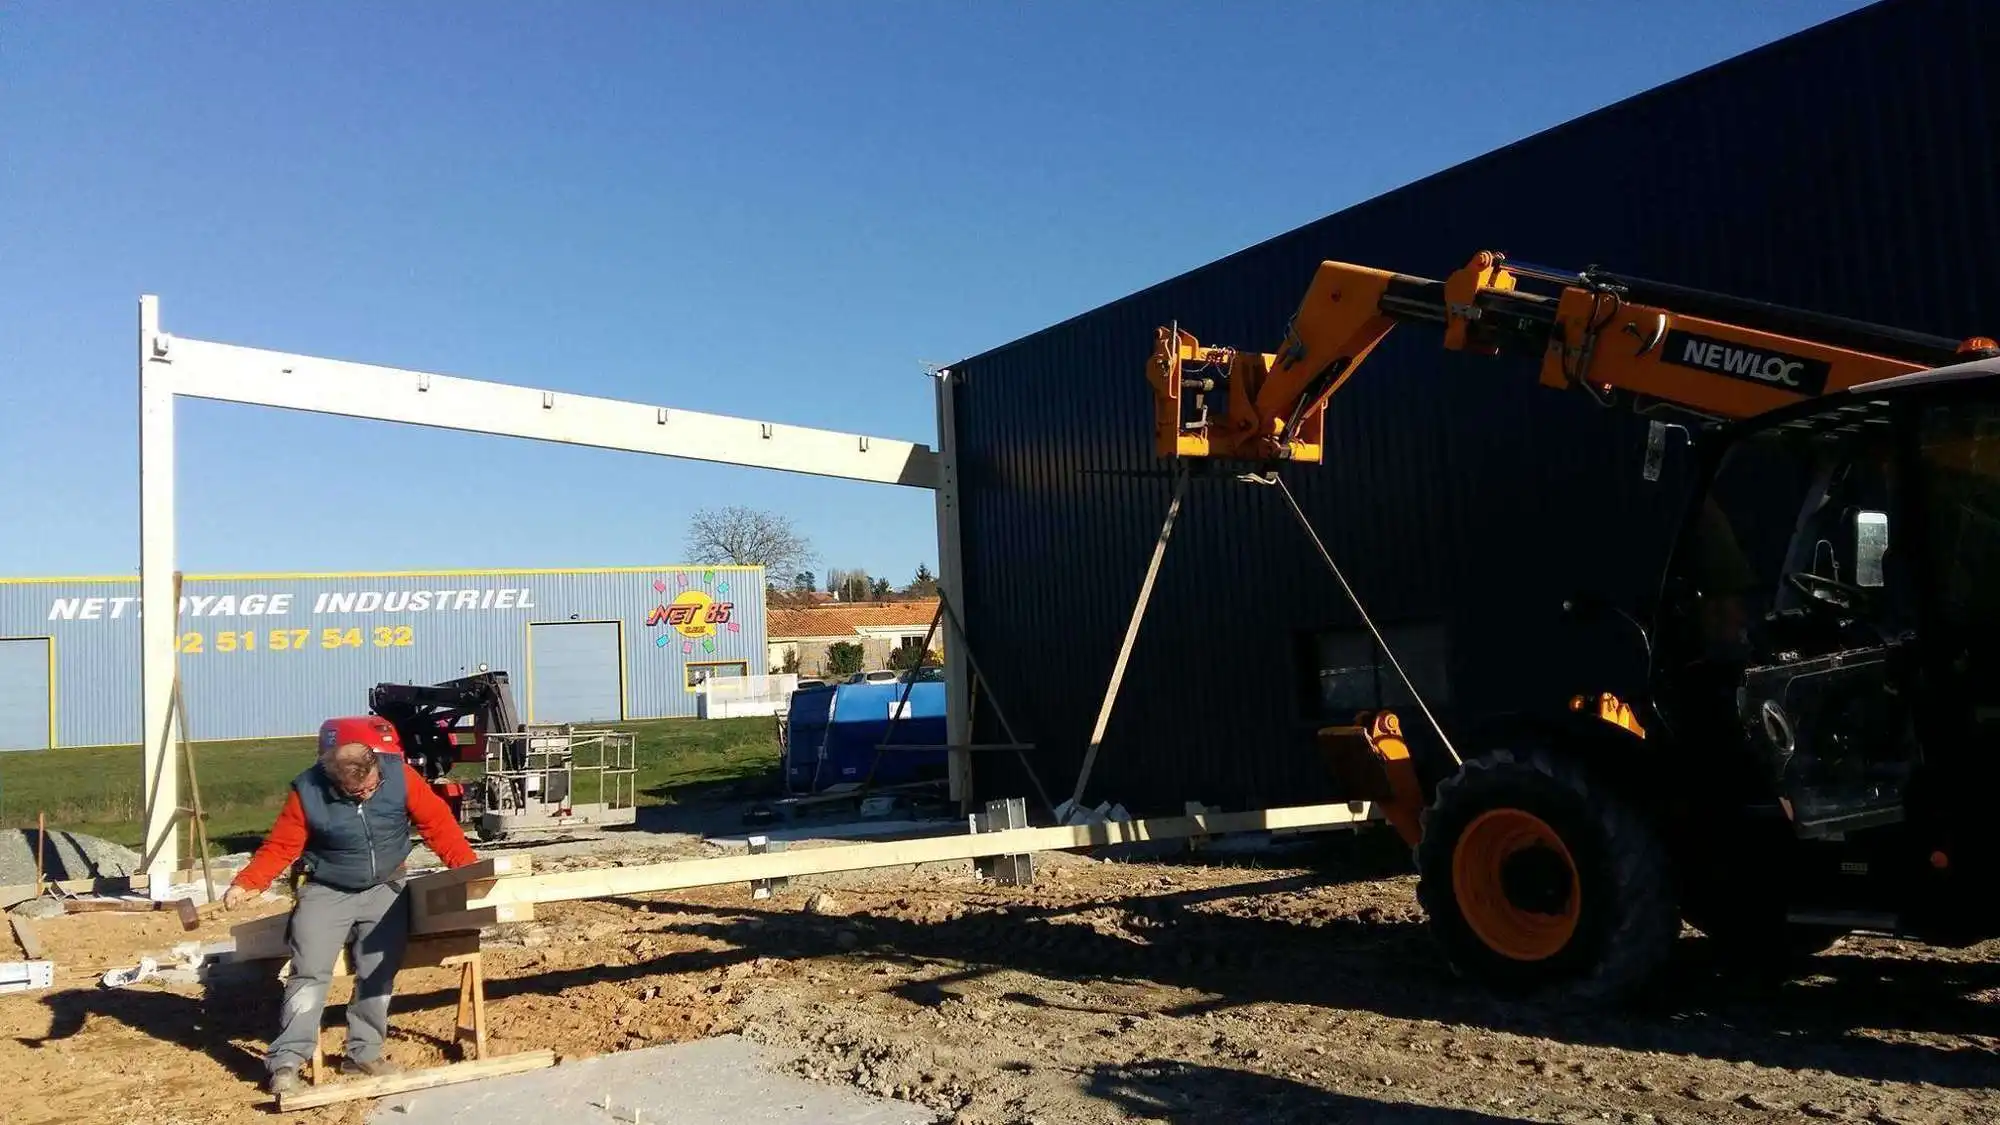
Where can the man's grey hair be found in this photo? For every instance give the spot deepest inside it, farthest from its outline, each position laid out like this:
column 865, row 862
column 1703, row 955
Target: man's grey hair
column 349, row 764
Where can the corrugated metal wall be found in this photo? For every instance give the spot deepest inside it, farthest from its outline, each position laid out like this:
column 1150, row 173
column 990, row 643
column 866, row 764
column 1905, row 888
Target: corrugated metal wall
column 1849, row 169
column 273, row 655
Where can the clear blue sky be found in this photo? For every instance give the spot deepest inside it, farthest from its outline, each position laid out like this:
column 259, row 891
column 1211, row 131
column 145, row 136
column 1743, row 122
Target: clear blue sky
column 764, row 209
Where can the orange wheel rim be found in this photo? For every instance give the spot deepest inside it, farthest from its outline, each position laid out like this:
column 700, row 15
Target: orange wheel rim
column 1516, row 885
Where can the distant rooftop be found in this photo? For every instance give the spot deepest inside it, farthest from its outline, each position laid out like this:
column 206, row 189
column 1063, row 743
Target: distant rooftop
column 840, row 619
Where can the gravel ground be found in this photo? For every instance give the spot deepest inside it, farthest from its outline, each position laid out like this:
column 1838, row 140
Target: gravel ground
column 1102, row 994
column 68, row 855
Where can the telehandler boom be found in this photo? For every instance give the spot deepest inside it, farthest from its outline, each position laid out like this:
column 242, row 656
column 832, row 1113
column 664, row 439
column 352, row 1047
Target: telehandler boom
column 1820, row 726
column 1704, row 353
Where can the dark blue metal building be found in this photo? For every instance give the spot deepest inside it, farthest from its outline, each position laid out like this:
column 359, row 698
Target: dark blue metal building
column 1850, row 169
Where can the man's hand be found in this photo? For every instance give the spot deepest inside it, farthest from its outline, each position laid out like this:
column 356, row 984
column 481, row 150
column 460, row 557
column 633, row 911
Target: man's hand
column 236, row 896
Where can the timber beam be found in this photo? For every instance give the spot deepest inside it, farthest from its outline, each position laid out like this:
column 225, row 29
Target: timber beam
column 506, row 889
column 438, row 909
column 609, row 882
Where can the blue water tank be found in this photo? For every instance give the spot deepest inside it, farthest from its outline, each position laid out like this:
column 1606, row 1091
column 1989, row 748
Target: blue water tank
column 833, row 733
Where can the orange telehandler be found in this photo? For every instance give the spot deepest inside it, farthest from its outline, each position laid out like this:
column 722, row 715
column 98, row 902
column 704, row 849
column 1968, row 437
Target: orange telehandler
column 1818, row 743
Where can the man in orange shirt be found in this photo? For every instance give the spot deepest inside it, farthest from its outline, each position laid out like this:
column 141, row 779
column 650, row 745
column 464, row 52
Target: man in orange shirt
column 349, row 816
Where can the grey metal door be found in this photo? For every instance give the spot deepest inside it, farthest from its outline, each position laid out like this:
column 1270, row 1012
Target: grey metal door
column 24, row 694
column 573, row 672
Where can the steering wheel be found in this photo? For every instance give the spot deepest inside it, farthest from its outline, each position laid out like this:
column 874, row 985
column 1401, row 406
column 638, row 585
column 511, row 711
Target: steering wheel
column 1846, row 596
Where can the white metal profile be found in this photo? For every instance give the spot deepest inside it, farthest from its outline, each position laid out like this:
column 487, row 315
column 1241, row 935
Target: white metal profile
column 171, row 367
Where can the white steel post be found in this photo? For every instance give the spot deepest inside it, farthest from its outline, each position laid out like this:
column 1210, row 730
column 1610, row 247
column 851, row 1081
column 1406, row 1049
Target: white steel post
column 159, row 615
column 951, row 581
column 172, row 368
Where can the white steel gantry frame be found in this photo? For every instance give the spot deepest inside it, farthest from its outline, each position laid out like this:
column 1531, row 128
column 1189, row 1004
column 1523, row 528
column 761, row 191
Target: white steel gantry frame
column 173, row 367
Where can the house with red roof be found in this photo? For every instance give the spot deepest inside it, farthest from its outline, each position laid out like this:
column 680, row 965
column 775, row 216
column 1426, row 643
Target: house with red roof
column 880, row 628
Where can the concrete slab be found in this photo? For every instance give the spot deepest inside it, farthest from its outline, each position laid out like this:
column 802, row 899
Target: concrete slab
column 727, row 1080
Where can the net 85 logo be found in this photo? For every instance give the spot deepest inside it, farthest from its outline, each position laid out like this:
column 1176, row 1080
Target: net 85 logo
column 692, row 614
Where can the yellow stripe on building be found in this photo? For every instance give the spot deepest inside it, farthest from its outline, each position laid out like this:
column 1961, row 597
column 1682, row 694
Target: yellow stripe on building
column 302, row 575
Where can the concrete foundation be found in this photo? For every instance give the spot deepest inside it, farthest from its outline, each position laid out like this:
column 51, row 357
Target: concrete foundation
column 727, row 1080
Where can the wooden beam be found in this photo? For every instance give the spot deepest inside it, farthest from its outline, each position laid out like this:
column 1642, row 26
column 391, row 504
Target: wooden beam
column 434, row 951
column 264, row 940
column 437, row 906
column 261, row 939
column 492, row 867
column 685, row 874
column 24, row 934
column 475, row 919
column 428, row 1078
column 441, row 901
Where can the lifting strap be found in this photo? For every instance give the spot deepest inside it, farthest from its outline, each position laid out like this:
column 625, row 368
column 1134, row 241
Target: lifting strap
column 1366, row 619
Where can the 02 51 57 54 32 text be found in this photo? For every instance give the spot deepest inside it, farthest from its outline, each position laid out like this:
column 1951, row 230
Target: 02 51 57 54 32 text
column 267, row 604
column 196, row 642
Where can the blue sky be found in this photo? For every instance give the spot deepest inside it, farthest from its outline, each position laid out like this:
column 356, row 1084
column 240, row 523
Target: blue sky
column 773, row 210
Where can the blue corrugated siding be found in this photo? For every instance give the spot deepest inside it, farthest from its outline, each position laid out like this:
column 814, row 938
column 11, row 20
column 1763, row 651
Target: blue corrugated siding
column 573, row 672
column 24, row 693
column 338, row 635
column 1847, row 169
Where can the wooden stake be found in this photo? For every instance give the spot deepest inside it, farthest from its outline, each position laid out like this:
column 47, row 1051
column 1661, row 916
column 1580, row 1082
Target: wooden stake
column 1131, row 635
column 41, row 841
column 200, row 832
column 425, row 1079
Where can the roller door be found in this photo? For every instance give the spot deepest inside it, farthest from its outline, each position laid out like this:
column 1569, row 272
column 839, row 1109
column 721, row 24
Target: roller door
column 573, row 673
column 24, row 694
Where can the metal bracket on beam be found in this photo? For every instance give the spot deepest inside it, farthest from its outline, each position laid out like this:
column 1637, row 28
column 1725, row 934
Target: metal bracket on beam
column 765, row 888
column 1001, row 816
column 1198, row 839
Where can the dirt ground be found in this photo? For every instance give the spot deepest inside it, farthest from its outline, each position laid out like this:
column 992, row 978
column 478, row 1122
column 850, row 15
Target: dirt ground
column 1192, row 990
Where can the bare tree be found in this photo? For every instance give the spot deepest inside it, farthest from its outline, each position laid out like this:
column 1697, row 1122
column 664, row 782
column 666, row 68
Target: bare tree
column 848, row 585
column 738, row 536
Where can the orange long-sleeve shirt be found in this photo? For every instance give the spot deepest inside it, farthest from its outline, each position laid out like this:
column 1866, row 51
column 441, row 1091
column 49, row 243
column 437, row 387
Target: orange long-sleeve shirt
column 287, row 838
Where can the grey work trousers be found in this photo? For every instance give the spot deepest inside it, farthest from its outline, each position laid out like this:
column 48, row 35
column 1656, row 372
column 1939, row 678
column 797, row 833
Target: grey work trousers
column 374, row 926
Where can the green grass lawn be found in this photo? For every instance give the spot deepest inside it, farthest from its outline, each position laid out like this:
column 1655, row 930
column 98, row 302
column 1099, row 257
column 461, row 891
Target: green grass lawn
column 96, row 790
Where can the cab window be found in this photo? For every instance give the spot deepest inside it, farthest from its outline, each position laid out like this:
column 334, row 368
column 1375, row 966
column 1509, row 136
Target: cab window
column 1799, row 502
column 1958, row 447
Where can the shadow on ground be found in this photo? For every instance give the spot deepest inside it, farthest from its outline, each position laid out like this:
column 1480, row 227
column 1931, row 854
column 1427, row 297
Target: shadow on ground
column 734, row 807
column 192, row 1023
column 1171, row 1090
column 1379, row 961
column 1386, row 964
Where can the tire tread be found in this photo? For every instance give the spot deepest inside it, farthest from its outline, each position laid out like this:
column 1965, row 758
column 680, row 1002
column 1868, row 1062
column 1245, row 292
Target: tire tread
column 1647, row 916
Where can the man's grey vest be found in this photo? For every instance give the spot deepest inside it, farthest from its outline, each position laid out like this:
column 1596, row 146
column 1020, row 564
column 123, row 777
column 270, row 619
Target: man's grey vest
column 354, row 845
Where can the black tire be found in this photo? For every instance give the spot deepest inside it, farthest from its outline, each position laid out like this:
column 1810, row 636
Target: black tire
column 1614, row 884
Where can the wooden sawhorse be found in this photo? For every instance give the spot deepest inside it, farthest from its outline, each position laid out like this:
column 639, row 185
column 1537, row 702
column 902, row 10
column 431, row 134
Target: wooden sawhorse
column 439, row 951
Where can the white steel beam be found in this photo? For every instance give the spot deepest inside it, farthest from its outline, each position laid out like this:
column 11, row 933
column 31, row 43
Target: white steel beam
column 171, row 368
column 228, row 373
column 159, row 614
column 951, row 582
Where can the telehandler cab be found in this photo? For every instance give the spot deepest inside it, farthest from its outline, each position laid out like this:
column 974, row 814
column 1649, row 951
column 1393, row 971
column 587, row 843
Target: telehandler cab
column 1818, row 743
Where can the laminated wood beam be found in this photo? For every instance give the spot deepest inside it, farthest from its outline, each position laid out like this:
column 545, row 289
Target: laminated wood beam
column 475, row 919
column 437, row 906
column 442, row 901
column 685, row 874
column 492, row 867
column 261, row 939
column 264, row 940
